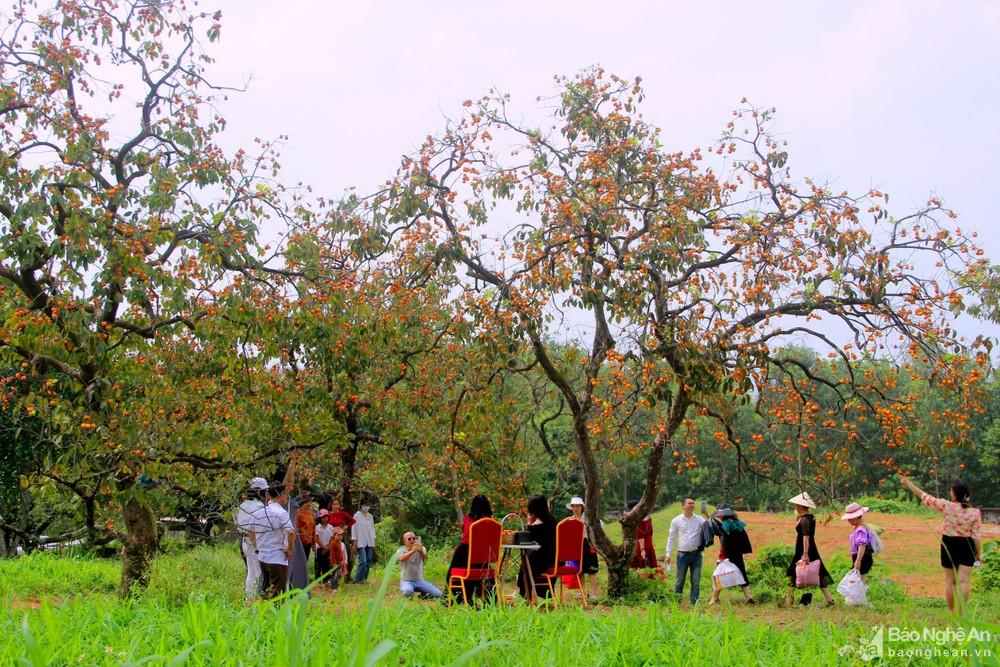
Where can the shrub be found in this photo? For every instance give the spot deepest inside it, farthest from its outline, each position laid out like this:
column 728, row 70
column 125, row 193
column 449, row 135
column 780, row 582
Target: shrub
column 647, row 586
column 883, row 590
column 767, row 572
column 387, row 534
column 987, row 577
column 889, row 505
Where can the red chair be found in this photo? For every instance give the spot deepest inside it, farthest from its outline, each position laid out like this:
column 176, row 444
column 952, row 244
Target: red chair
column 569, row 547
column 484, row 555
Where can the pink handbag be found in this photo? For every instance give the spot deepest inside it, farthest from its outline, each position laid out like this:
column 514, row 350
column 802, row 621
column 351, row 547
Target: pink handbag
column 807, row 575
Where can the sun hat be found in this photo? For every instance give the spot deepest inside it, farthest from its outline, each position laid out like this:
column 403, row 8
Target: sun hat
column 575, row 500
column 803, row 499
column 853, row 511
column 725, row 513
column 259, row 484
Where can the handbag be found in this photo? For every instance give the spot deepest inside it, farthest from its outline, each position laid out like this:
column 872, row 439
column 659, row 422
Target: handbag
column 727, row 575
column 807, row 574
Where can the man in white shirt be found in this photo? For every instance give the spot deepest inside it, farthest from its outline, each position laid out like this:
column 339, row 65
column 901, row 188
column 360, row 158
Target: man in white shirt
column 363, row 542
column 685, row 531
column 275, row 541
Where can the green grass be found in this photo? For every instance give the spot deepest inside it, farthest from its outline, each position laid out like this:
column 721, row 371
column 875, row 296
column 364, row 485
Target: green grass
column 63, row 611
column 101, row 631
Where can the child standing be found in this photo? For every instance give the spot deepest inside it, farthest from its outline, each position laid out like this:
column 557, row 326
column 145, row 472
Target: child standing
column 338, row 558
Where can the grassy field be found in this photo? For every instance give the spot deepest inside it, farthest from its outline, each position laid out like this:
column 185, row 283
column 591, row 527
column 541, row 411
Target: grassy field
column 63, row 611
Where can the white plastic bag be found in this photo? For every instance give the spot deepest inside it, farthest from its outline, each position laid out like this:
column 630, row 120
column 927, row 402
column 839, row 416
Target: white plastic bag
column 727, row 575
column 853, row 589
column 875, row 542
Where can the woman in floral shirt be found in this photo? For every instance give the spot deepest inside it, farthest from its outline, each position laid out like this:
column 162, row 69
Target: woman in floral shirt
column 961, row 536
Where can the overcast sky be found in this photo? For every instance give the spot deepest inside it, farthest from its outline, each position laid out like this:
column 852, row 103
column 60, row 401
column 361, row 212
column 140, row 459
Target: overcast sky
column 897, row 94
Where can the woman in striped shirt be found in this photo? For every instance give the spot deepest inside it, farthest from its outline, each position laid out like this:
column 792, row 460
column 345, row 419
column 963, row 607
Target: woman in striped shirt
column 961, row 536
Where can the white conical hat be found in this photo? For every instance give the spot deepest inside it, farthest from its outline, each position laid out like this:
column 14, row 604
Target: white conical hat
column 803, row 499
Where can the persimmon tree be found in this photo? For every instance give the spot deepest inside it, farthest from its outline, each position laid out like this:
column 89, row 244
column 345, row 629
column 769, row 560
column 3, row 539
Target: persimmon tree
column 119, row 213
column 355, row 329
column 379, row 346
column 687, row 278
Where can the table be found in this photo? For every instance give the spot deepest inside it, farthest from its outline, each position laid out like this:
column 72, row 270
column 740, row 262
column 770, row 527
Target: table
column 524, row 549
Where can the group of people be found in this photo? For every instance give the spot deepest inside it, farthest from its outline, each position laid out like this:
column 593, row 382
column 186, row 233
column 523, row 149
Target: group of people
column 276, row 548
column 541, row 526
column 960, row 551
column 279, row 533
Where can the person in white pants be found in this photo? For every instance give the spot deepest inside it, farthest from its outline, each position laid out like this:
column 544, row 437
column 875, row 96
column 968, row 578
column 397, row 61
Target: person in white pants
column 248, row 517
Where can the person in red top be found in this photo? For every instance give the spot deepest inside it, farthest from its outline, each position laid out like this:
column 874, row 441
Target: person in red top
column 338, row 517
column 645, row 554
column 479, row 508
column 338, row 558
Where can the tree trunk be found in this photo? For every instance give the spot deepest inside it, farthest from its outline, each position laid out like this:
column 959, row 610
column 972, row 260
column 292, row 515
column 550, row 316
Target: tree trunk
column 139, row 543
column 617, row 556
column 618, row 568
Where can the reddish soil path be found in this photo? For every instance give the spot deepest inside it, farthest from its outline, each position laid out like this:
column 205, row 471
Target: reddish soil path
column 911, row 544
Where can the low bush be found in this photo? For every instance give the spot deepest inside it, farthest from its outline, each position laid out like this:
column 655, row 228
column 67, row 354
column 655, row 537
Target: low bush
column 766, row 572
column 650, row 586
column 987, row 576
column 387, row 535
column 889, row 505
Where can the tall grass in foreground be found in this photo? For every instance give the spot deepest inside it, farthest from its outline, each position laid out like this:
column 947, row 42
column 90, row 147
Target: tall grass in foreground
column 193, row 615
column 103, row 632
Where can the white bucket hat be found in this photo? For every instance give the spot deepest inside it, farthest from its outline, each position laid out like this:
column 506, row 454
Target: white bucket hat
column 575, row 500
column 803, row 499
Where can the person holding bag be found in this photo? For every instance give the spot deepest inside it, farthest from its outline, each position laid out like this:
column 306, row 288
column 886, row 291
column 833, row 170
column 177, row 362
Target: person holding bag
column 807, row 567
column 734, row 543
column 861, row 540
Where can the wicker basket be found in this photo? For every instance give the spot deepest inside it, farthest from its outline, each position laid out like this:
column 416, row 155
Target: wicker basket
column 516, row 535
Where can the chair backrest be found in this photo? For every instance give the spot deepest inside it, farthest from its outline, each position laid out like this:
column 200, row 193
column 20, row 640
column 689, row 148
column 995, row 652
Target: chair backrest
column 484, row 542
column 569, row 540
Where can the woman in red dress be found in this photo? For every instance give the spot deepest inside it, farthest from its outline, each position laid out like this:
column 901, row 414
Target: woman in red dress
column 645, row 554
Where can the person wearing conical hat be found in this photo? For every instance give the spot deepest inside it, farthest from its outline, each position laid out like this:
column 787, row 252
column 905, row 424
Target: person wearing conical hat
column 806, row 550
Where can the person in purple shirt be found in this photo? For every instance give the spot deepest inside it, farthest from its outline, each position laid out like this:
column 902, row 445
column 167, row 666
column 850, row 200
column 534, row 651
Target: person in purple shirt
column 861, row 539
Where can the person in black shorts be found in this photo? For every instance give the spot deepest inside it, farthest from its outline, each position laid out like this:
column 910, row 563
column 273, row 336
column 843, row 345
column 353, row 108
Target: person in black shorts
column 961, row 536
column 861, row 539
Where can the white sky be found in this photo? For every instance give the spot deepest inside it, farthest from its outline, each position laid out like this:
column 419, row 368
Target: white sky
column 901, row 95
